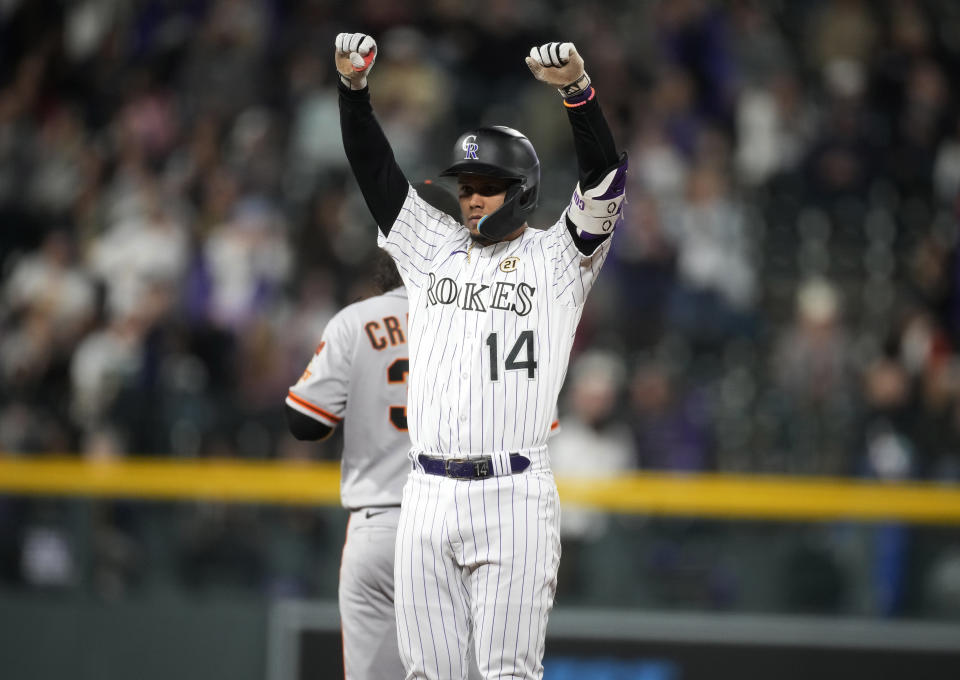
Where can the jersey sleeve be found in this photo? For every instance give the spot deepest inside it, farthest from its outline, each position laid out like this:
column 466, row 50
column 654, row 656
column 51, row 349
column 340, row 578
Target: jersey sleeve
column 416, row 237
column 321, row 392
column 574, row 272
column 374, row 165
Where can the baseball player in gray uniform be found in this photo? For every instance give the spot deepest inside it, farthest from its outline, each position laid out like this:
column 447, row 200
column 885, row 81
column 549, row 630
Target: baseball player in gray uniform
column 358, row 376
column 494, row 306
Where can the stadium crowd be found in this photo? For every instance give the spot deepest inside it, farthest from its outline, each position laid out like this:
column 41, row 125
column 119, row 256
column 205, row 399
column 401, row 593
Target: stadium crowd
column 178, row 224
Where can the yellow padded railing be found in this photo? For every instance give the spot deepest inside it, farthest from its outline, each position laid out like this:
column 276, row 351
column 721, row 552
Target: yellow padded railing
column 318, row 483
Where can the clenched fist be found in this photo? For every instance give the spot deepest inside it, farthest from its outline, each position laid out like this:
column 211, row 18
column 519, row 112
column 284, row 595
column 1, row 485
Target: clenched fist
column 560, row 65
column 354, row 55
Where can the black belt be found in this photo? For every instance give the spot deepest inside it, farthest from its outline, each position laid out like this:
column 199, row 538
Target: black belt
column 472, row 468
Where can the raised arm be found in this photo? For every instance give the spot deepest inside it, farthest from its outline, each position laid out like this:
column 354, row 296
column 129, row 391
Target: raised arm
column 381, row 180
column 596, row 207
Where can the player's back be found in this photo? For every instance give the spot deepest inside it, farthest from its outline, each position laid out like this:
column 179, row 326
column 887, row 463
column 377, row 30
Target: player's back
column 359, row 376
column 376, row 442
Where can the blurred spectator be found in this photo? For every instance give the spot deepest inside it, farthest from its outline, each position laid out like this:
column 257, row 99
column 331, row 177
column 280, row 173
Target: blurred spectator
column 56, row 163
column 87, row 25
column 218, row 191
column 774, row 128
column 249, row 260
column 930, row 430
column 920, row 120
column 642, row 267
column 760, row 50
column 147, row 246
column 842, row 159
column 263, row 372
column 671, row 425
column 813, row 366
column 659, row 168
column 50, row 282
column 813, row 362
column 694, row 37
column 930, row 280
column 891, row 428
column 673, row 108
column 28, row 351
column 889, row 422
column 304, row 321
column 105, row 361
column 313, row 152
column 254, row 152
column 716, row 279
column 589, row 423
column 149, row 120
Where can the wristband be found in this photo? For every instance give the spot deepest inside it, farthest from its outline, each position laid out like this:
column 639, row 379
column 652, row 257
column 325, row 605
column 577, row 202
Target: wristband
column 580, row 99
column 575, row 88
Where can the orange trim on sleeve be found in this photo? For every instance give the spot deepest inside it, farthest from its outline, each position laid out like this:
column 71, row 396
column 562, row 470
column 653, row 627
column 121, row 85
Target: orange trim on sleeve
column 316, row 409
column 555, row 425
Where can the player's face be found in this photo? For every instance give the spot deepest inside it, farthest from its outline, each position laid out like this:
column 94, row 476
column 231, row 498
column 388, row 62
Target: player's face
column 479, row 195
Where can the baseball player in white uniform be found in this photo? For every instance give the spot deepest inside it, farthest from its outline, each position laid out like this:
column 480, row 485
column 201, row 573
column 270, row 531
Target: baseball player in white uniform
column 358, row 376
column 494, row 306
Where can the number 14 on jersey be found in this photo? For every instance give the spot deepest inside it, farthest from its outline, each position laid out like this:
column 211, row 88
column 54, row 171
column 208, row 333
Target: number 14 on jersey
column 520, row 357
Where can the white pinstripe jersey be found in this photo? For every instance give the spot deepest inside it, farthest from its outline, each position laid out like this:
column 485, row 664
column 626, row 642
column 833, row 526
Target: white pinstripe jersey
column 359, row 375
column 491, row 329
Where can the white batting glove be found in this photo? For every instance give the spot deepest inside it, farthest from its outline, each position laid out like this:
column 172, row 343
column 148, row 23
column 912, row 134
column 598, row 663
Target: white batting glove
column 354, row 56
column 560, row 65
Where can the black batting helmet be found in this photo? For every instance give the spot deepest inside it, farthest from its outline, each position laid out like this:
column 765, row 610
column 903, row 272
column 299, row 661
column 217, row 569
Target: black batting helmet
column 500, row 151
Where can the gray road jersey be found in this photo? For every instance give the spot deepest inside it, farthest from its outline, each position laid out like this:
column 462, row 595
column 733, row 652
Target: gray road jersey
column 358, row 375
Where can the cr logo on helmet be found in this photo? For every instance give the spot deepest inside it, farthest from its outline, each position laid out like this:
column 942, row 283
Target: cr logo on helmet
column 470, row 148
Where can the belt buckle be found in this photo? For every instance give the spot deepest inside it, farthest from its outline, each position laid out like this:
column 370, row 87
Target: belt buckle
column 481, row 468
column 446, row 468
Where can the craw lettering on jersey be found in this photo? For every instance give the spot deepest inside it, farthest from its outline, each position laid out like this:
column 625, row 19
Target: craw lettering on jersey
column 391, row 333
column 479, row 297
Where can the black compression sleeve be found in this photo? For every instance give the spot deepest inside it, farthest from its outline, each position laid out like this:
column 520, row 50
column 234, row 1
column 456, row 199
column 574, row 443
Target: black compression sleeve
column 305, row 428
column 593, row 141
column 596, row 156
column 381, row 181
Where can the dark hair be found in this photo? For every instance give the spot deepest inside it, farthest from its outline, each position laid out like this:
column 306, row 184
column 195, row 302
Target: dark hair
column 385, row 274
